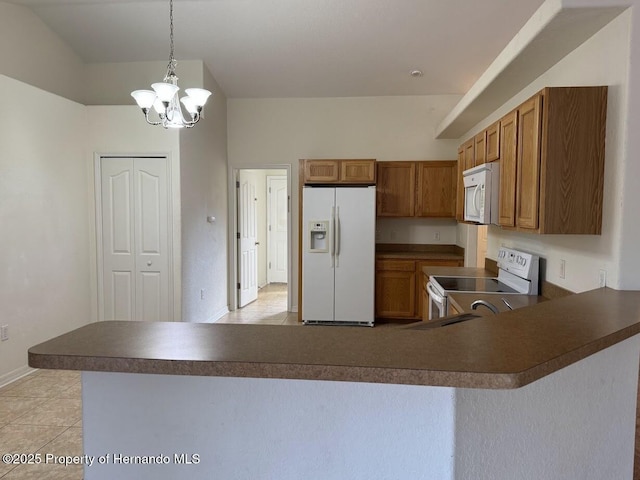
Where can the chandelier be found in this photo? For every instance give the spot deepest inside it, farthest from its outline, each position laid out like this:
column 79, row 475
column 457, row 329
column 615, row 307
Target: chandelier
column 164, row 96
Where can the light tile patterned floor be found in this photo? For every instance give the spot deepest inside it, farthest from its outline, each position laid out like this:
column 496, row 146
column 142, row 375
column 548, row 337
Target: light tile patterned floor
column 42, row 414
column 269, row 309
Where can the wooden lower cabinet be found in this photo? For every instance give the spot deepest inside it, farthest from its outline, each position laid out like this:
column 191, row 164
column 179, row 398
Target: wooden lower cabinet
column 400, row 287
column 395, row 288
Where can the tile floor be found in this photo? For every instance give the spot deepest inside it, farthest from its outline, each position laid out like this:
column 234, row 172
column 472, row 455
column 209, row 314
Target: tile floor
column 269, row 309
column 42, row 413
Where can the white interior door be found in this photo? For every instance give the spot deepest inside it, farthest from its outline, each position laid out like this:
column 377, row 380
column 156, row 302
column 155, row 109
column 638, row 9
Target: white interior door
column 248, row 240
column 135, row 229
column 276, row 229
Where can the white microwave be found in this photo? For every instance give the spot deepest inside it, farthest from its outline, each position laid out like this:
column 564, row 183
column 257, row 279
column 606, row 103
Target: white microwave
column 482, row 193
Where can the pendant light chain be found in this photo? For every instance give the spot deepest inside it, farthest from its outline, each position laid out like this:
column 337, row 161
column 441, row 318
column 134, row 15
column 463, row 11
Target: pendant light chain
column 172, row 61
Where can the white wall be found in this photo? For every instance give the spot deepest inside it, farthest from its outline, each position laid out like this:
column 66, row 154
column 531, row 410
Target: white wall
column 203, row 173
column 268, row 428
column 44, row 216
column 602, row 60
column 266, row 132
column 122, row 130
column 577, row 423
column 112, row 83
column 32, row 53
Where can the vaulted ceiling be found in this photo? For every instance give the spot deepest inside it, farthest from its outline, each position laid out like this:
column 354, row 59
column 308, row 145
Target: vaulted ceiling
column 300, row 48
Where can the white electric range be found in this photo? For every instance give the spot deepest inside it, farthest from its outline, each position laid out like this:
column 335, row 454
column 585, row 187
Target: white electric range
column 517, row 274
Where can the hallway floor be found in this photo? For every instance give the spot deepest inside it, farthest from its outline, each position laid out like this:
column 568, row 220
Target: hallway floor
column 269, row 309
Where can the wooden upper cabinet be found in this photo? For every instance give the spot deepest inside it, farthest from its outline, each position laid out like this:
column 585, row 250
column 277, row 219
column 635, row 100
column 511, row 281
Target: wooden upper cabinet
column 509, row 141
column 321, row 171
column 340, row 171
column 572, row 159
column 480, row 148
column 493, row 142
column 469, row 154
column 557, row 172
column 528, row 163
column 395, row 189
column 436, row 189
column 358, row 171
column 460, row 187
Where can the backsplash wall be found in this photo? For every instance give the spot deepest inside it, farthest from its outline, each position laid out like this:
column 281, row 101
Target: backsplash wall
column 416, row 230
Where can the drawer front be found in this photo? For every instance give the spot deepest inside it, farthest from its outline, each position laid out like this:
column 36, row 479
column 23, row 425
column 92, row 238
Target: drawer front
column 396, row 265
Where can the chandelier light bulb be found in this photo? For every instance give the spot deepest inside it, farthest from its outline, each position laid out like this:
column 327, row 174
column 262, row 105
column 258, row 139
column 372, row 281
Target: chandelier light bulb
column 165, row 91
column 144, row 98
column 199, row 95
column 190, row 104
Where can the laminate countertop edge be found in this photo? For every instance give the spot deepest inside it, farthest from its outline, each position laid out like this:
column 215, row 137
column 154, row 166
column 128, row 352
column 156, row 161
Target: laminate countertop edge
column 517, row 347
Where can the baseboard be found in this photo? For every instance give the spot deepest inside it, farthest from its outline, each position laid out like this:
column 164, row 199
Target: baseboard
column 14, row 375
column 218, row 315
column 294, row 308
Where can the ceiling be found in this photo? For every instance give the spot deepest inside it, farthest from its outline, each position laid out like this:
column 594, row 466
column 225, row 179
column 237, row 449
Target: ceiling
column 300, row 48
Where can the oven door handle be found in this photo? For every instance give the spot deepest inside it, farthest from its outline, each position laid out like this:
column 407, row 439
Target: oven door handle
column 433, row 294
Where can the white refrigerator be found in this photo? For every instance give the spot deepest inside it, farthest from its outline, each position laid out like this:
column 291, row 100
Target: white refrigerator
column 338, row 260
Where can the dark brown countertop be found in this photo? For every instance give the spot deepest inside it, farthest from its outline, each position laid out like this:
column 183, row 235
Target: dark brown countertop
column 389, row 251
column 502, row 351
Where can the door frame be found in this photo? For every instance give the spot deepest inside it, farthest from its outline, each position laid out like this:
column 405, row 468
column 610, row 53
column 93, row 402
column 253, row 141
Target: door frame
column 233, row 222
column 269, row 233
column 174, row 299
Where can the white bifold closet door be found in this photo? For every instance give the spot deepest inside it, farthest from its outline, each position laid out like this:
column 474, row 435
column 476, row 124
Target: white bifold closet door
column 135, row 239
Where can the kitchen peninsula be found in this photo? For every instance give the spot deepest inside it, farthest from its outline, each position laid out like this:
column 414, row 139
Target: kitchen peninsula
column 547, row 391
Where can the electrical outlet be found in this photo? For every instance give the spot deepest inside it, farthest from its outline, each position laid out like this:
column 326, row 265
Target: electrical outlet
column 563, row 267
column 602, row 278
column 4, row 332
column 202, row 294
column 436, row 236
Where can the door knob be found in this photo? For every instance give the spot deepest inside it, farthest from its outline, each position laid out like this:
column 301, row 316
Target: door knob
column 149, row 263
column 257, row 243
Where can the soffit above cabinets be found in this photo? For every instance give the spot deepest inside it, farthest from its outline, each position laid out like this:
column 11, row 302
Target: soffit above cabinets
column 556, row 29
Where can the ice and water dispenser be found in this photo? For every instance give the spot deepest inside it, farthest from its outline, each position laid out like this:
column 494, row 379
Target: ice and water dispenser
column 319, row 236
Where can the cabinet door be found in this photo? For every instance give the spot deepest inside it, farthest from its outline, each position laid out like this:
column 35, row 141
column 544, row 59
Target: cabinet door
column 358, row 171
column 321, row 171
column 395, row 190
column 508, row 149
column 493, row 142
column 436, row 190
column 460, row 187
column 480, row 148
column 528, row 163
column 396, row 289
column 469, row 154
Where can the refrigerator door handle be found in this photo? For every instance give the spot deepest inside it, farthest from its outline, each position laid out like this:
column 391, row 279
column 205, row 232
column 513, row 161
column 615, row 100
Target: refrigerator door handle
column 337, row 232
column 332, row 245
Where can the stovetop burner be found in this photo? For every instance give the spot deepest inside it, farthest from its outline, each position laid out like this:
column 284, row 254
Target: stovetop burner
column 473, row 284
